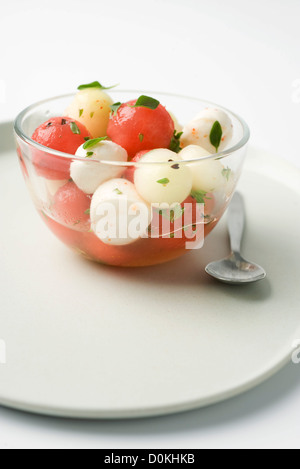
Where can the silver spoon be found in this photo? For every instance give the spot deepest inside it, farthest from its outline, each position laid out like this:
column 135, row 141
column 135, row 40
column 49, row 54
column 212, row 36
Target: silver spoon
column 234, row 269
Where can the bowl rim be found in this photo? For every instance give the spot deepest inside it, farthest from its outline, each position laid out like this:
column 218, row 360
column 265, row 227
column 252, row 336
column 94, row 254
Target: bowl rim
column 214, row 156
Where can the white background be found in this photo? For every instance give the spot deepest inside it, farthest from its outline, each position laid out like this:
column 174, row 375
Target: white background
column 241, row 54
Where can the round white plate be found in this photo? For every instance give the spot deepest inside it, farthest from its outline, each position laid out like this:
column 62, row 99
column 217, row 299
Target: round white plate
column 84, row 340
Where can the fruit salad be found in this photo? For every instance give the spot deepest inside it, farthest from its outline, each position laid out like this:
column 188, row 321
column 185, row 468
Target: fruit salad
column 125, row 183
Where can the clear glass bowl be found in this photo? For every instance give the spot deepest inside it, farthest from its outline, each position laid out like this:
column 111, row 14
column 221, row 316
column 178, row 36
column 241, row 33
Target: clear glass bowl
column 71, row 223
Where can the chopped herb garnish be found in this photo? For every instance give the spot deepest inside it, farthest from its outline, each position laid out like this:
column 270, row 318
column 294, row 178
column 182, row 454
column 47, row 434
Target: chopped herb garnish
column 87, row 138
column 147, row 101
column 176, row 213
column 172, row 235
column 89, row 154
column 117, row 191
column 74, row 128
column 92, row 115
column 216, row 135
column 76, row 222
column 95, row 84
column 199, row 196
column 165, row 213
column 175, row 142
column 188, row 227
column 93, row 142
column 115, row 107
column 80, row 112
column 163, row 181
column 87, row 211
column 141, row 137
column 63, row 121
column 226, row 173
column 172, row 213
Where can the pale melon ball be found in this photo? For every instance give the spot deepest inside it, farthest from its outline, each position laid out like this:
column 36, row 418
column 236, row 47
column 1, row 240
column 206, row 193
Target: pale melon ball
column 208, row 175
column 91, row 107
column 118, row 214
column 88, row 175
column 198, row 130
column 194, row 152
column 159, row 183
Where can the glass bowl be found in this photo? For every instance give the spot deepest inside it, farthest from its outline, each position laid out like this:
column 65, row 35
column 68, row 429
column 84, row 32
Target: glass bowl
column 150, row 233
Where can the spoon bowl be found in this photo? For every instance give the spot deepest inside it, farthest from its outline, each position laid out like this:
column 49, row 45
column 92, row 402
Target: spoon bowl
column 234, row 269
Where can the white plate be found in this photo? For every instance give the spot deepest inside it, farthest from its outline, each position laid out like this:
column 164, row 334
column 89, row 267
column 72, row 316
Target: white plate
column 89, row 341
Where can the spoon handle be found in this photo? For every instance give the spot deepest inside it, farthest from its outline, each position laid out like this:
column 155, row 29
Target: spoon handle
column 236, row 222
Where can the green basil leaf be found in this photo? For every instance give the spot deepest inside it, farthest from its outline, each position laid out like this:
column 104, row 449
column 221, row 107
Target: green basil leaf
column 147, row 101
column 95, row 84
column 175, row 142
column 216, row 135
column 115, row 107
column 93, row 142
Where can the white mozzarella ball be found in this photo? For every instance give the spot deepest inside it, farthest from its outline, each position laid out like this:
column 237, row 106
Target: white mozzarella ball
column 163, row 183
column 198, row 130
column 91, row 107
column 88, row 175
column 118, row 214
column 207, row 175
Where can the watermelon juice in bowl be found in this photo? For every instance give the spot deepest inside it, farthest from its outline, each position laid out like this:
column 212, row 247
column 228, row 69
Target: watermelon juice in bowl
column 121, row 180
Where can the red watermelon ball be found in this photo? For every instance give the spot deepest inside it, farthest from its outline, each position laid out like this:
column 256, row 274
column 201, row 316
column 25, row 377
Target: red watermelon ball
column 62, row 134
